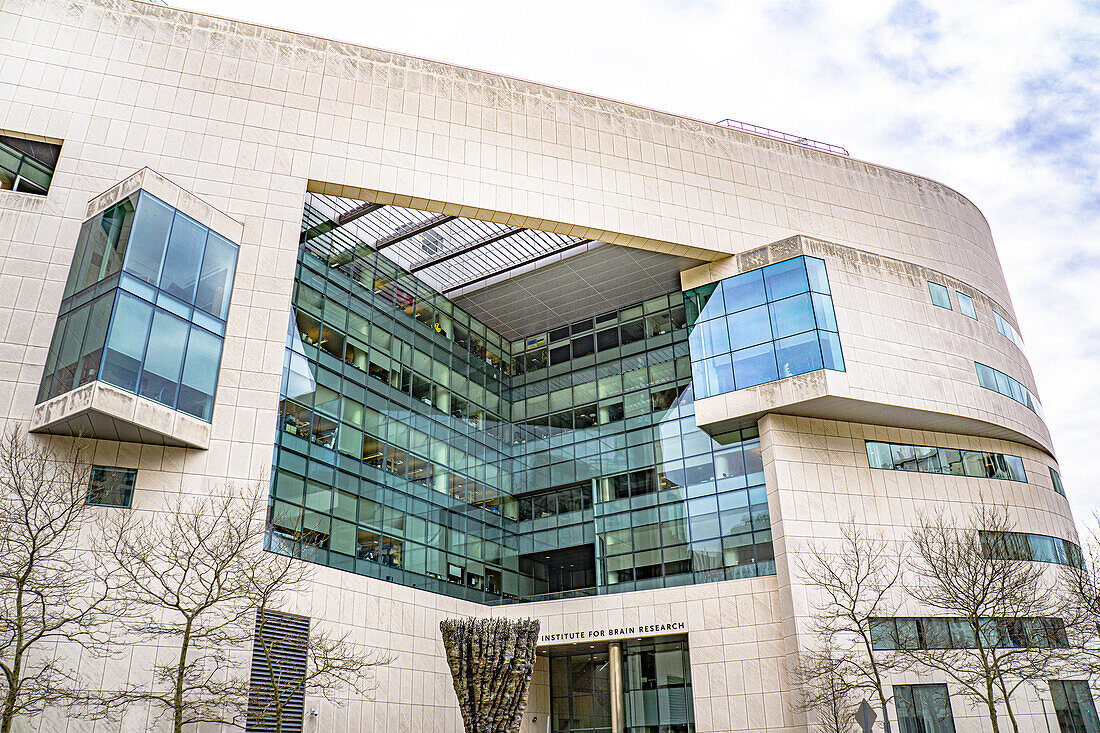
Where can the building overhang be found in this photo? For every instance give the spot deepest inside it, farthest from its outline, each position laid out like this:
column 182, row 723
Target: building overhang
column 825, row 394
column 99, row 410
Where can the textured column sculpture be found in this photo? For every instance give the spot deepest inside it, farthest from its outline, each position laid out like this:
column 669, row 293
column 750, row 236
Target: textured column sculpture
column 491, row 662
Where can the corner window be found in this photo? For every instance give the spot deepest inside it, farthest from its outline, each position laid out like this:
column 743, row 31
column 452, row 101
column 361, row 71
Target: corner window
column 27, row 166
column 923, row 709
column 110, row 486
column 940, row 296
column 1074, row 706
column 161, row 285
column 762, row 325
column 966, row 305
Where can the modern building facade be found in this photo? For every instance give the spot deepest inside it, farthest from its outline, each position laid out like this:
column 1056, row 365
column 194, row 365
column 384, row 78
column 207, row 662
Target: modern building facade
column 500, row 349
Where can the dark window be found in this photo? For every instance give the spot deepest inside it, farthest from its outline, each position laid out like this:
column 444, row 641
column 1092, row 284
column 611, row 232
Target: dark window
column 111, row 486
column 583, row 346
column 27, row 166
column 631, row 332
column 1056, row 480
column 1074, row 706
column 608, row 339
column 923, row 709
column 559, row 333
column 559, row 354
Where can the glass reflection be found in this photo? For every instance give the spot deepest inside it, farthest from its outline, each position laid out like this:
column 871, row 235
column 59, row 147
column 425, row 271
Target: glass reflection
column 577, row 470
column 775, row 322
column 155, row 285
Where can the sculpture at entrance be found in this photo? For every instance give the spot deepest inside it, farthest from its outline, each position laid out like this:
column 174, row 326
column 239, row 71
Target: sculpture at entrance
column 491, row 663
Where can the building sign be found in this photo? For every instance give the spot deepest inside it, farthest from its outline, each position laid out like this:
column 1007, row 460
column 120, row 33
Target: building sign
column 574, row 635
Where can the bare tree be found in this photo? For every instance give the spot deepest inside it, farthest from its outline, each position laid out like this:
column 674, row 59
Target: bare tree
column 187, row 579
column 327, row 663
column 1008, row 627
column 856, row 580
column 823, row 692
column 49, row 593
column 1082, row 587
column 198, row 576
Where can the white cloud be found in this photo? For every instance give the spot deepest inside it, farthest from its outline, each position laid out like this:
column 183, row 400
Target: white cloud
column 998, row 100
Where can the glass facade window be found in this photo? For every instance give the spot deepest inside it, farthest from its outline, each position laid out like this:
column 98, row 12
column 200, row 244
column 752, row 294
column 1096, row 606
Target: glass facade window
column 404, row 455
column 1074, row 706
column 966, row 305
column 580, row 692
column 952, row 461
column 1056, row 481
column 923, row 709
column 1000, row 382
column 27, row 166
column 955, row 633
column 1032, row 547
column 144, row 307
column 657, row 686
column 111, row 486
column 1007, row 330
column 940, row 295
column 761, row 326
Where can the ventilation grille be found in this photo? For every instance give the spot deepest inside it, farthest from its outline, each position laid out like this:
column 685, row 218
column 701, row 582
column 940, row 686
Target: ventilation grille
column 286, row 637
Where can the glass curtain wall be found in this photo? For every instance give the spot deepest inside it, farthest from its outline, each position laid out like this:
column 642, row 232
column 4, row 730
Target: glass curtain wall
column 761, row 326
column 657, row 686
column 580, row 692
column 418, row 446
column 144, row 307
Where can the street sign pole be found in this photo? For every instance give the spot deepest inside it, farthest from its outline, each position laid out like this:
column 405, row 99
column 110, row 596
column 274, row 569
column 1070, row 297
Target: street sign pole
column 866, row 716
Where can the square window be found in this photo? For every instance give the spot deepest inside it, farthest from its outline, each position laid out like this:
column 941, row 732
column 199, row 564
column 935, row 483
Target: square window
column 940, row 296
column 749, row 327
column 792, row 315
column 798, row 355
column 966, row 305
column 110, row 486
column 27, row 166
column 755, row 365
column 743, row 291
column 786, row 278
column 923, row 709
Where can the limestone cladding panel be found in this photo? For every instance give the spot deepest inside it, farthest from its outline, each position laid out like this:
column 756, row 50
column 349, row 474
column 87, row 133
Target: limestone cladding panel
column 818, row 480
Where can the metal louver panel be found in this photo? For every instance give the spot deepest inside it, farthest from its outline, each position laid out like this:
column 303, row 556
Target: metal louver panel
column 286, row 638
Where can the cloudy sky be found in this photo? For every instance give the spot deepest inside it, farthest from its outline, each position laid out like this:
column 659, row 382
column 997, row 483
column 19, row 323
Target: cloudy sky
column 999, row 100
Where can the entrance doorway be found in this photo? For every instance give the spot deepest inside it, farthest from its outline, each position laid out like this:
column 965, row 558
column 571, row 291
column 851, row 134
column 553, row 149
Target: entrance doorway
column 656, row 687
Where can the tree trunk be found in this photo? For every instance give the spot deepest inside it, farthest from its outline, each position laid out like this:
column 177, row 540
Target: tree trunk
column 989, row 701
column 9, row 711
column 1011, row 715
column 177, row 696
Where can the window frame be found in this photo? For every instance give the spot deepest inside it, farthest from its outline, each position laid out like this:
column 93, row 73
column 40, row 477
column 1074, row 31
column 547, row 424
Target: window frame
column 934, row 289
column 125, row 488
column 966, row 305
